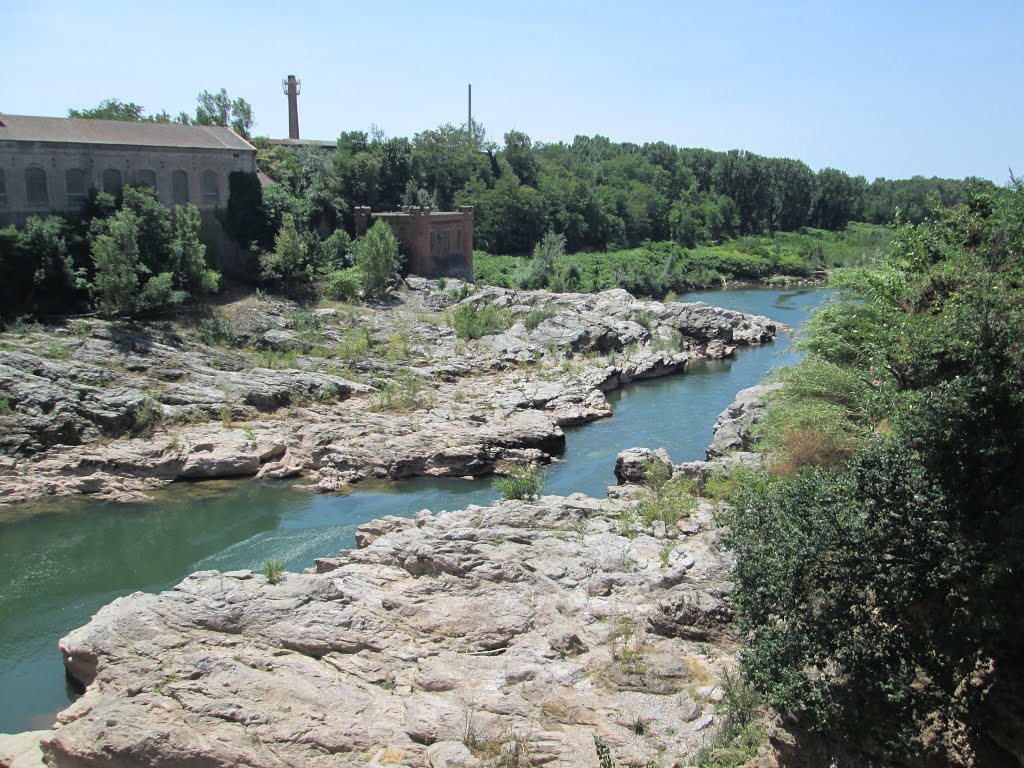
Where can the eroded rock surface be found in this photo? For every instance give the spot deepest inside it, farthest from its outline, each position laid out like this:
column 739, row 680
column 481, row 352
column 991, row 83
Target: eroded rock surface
column 525, row 628
column 332, row 395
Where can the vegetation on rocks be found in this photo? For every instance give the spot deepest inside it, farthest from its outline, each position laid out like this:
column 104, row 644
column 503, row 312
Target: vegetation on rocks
column 521, row 482
column 879, row 562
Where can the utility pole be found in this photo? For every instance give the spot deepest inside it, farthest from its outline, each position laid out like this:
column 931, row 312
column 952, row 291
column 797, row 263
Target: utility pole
column 469, row 124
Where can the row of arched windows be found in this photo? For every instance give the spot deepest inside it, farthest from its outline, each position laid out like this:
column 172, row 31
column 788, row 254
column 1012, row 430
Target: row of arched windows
column 76, row 188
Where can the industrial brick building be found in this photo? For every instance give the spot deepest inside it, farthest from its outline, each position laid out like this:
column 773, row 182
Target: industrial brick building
column 49, row 164
column 435, row 244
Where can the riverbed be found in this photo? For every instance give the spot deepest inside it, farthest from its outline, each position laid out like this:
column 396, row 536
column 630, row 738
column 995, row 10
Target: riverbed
column 62, row 561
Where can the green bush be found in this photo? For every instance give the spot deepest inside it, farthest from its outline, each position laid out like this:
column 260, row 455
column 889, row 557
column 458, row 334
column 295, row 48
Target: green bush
column 273, row 570
column 378, row 260
column 343, row 284
column 538, row 315
column 522, row 482
column 472, row 322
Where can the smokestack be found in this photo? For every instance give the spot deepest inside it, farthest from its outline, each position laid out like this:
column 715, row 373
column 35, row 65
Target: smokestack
column 292, row 89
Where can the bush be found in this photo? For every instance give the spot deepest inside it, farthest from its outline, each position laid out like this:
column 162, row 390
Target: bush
column 343, row 284
column 273, row 570
column 472, row 322
column 378, row 260
column 538, row 315
column 522, row 482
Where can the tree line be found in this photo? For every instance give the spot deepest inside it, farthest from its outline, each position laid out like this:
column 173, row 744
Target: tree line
column 599, row 194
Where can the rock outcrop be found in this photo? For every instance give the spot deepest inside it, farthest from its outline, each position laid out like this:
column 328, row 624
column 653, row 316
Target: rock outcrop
column 332, row 395
column 520, row 631
column 733, row 430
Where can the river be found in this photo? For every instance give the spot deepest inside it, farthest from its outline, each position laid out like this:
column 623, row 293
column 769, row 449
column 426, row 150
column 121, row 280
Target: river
column 61, row 561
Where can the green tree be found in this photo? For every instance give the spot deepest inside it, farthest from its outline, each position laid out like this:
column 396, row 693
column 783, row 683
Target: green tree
column 221, row 110
column 112, row 109
column 878, row 566
column 290, row 263
column 118, row 266
column 378, row 260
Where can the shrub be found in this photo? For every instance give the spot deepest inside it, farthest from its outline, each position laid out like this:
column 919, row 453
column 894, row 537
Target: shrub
column 522, row 482
column 401, row 394
column 273, row 570
column 218, row 331
column 668, row 503
column 472, row 322
column 538, row 315
column 343, row 284
column 378, row 260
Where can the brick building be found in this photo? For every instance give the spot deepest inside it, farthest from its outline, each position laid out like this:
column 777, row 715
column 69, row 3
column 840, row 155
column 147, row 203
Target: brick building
column 49, row 164
column 436, row 244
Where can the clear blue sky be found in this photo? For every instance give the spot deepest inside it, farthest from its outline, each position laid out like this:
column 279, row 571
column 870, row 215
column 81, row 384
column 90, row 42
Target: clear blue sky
column 875, row 88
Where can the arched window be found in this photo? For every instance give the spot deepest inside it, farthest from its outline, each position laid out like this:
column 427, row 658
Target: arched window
column 146, row 178
column 211, row 192
column 112, row 181
column 74, row 185
column 179, row 187
column 3, row 187
column 36, row 192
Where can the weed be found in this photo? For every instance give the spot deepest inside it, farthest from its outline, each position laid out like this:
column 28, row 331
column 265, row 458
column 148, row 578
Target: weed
column 668, row 503
column 522, row 482
column 159, row 687
column 643, row 319
column 226, row 416
column 664, row 554
column 329, row 393
column 536, row 316
column 719, row 486
column 24, row 324
column 80, row 328
column 249, row 436
column 273, row 570
column 218, row 331
column 5, row 406
column 738, row 737
column 627, row 523
column 629, row 642
column 54, row 351
column 146, row 418
column 472, row 322
column 401, row 394
column 441, row 283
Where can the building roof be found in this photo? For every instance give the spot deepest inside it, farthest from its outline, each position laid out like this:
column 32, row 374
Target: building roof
column 121, row 132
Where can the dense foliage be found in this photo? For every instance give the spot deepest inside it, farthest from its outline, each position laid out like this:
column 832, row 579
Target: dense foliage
column 596, row 193
column 656, row 269
column 211, row 109
column 879, row 562
column 125, row 257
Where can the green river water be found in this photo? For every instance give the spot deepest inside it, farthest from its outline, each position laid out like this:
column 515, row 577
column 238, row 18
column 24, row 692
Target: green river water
column 61, row 561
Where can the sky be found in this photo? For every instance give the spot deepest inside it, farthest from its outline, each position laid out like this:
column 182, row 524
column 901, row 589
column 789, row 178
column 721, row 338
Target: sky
column 889, row 89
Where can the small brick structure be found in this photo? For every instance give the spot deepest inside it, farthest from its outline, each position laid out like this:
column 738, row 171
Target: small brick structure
column 436, row 244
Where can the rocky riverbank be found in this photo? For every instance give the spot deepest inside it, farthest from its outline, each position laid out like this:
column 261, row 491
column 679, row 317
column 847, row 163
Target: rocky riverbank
column 523, row 633
column 331, row 395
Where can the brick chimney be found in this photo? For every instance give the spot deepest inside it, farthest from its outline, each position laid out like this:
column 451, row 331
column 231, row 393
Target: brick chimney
column 292, row 89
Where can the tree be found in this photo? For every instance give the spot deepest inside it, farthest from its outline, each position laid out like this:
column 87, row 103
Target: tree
column 112, row 109
column 118, row 267
column 221, row 110
column 378, row 260
column 290, row 262
column 878, row 567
